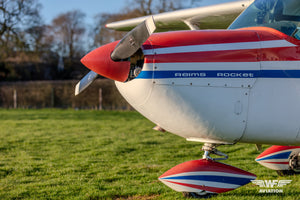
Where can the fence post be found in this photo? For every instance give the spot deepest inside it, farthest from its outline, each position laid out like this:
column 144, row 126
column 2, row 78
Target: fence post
column 52, row 98
column 15, row 99
column 100, row 99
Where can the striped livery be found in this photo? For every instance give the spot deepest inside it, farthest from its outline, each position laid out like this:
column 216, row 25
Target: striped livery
column 277, row 157
column 221, row 54
column 205, row 175
column 215, row 87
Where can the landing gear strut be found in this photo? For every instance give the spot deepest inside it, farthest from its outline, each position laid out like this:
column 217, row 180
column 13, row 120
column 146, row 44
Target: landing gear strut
column 209, row 148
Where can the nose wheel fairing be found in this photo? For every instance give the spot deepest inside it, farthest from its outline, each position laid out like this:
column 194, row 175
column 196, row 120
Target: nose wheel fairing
column 204, row 177
column 284, row 159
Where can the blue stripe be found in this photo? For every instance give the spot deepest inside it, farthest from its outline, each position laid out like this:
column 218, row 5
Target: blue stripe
column 220, row 74
column 221, row 179
column 284, row 155
column 279, row 74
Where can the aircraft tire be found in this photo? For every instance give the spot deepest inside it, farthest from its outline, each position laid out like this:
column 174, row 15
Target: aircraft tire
column 198, row 195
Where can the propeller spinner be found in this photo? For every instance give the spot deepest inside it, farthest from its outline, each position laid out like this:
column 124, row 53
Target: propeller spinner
column 111, row 60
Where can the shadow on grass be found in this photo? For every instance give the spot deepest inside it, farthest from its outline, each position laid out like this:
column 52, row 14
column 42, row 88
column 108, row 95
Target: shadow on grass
column 138, row 197
column 256, row 194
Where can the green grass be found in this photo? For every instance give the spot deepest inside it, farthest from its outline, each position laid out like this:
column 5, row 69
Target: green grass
column 67, row 154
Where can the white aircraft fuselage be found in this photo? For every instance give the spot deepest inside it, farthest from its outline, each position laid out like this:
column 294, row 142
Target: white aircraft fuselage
column 221, row 86
column 214, row 86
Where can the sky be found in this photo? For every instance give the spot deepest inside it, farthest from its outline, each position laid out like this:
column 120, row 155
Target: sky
column 52, row 8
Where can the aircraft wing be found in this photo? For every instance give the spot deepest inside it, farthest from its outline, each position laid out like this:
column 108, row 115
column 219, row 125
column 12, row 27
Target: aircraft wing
column 217, row 16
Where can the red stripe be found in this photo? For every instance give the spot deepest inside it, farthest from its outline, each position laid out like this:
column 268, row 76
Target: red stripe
column 204, row 165
column 284, row 163
column 275, row 149
column 186, row 38
column 280, row 54
column 206, row 188
column 249, row 55
column 266, row 33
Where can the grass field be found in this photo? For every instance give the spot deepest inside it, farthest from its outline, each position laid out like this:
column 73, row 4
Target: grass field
column 68, row 154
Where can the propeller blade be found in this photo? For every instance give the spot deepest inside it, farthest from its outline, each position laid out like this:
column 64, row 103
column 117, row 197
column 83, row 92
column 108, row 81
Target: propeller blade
column 133, row 40
column 85, row 82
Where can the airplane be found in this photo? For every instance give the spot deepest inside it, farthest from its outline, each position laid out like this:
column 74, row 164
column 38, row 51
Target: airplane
column 217, row 87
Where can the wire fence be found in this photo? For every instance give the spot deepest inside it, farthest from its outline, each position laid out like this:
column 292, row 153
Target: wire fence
column 102, row 94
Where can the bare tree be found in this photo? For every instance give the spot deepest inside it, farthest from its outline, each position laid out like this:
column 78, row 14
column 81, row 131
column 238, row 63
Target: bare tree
column 149, row 7
column 144, row 6
column 15, row 15
column 40, row 42
column 168, row 5
column 68, row 29
column 137, row 8
column 101, row 34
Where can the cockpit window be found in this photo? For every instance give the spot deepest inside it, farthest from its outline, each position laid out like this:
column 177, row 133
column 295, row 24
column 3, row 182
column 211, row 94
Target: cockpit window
column 283, row 15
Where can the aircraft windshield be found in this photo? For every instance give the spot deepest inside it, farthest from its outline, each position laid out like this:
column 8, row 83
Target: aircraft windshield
column 283, row 15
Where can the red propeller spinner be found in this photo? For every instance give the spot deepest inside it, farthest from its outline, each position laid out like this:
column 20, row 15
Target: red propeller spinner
column 112, row 60
column 99, row 61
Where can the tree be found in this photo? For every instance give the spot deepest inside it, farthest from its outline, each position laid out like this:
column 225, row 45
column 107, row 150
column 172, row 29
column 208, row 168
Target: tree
column 40, row 42
column 169, row 5
column 137, row 8
column 15, row 15
column 143, row 6
column 68, row 29
column 149, row 7
column 100, row 34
